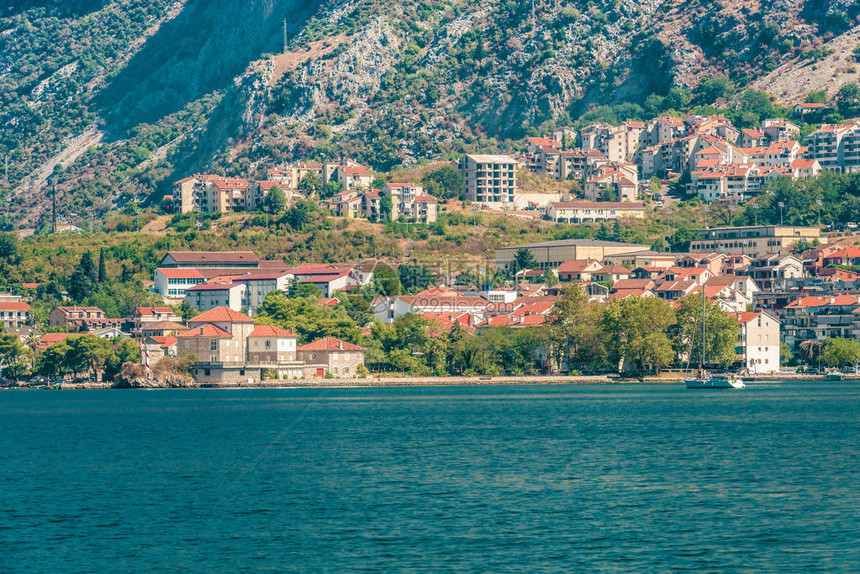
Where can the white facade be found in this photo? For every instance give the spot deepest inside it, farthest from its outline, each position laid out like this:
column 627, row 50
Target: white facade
column 759, row 342
column 209, row 296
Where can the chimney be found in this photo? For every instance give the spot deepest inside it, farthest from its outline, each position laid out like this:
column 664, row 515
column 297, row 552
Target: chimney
column 340, row 345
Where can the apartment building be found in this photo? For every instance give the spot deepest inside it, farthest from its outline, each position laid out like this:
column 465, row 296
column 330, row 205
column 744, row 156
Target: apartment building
column 758, row 342
column 593, row 211
column 489, row 179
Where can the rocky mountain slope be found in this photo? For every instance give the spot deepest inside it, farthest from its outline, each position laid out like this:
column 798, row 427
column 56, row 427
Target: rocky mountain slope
column 172, row 87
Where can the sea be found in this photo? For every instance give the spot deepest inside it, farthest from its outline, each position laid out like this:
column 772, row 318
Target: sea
column 527, row 478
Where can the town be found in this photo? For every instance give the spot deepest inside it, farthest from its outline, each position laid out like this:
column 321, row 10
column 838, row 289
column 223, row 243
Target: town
column 778, row 294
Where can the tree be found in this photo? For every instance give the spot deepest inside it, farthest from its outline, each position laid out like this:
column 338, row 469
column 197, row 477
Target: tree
column 12, row 355
column 83, row 279
column 810, row 352
column 311, row 184
column 721, row 333
column 848, row 100
column 655, row 185
column 816, row 97
column 785, row 353
column 574, row 330
column 446, row 182
column 87, row 353
column 10, row 249
column 550, row 279
column 51, row 362
column 414, row 278
column 275, row 201
column 713, row 89
column 298, row 216
column 636, row 330
column 102, row 273
column 524, row 259
column 839, row 352
column 308, row 319
column 126, row 351
column 386, row 206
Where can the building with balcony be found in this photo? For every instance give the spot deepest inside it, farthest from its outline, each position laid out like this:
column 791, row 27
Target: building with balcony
column 489, row 179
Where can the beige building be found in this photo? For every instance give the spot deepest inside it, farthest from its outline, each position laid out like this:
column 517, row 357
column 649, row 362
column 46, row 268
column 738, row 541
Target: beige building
column 489, row 179
column 755, row 241
column 330, row 355
column 551, row 254
column 13, row 311
column 591, row 211
column 758, row 342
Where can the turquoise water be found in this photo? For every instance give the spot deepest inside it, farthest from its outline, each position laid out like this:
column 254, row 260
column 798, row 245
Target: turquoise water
column 482, row 479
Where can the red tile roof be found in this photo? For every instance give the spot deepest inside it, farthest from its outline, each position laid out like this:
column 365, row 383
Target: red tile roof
column 14, row 306
column 330, row 344
column 213, row 286
column 192, row 257
column 164, row 326
column 270, row 331
column 153, row 310
column 206, row 330
column 178, row 273
column 221, row 315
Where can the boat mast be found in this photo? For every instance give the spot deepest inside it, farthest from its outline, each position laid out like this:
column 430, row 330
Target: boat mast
column 703, row 328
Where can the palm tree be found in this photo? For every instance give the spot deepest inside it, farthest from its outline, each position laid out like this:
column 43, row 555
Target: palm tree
column 811, row 351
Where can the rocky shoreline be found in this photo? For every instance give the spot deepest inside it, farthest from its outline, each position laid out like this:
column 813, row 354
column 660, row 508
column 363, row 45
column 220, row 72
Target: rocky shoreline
column 370, row 382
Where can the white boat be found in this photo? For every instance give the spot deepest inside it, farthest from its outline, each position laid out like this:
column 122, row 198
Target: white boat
column 706, row 381
column 718, row 382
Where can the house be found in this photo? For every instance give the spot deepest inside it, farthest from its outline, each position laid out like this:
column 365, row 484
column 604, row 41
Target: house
column 846, row 256
column 350, row 177
column 219, row 339
column 591, row 211
column 161, row 329
column 76, row 317
column 329, row 278
column 206, row 296
column 275, row 349
column 769, row 272
column 489, row 179
column 578, row 270
column 817, row 318
column 386, row 309
column 259, row 284
column 759, row 342
column 142, row 317
column 214, row 259
column 807, row 108
column 49, row 339
column 13, row 311
column 330, row 356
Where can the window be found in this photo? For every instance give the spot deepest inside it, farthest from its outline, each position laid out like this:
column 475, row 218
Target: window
column 213, row 345
column 268, row 343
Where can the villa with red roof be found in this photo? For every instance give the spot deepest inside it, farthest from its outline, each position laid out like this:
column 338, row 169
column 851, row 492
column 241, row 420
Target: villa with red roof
column 13, row 311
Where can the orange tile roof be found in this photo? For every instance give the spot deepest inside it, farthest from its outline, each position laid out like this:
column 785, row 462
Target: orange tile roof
column 330, row 344
column 206, row 330
column 14, row 306
column 270, row 331
column 221, row 315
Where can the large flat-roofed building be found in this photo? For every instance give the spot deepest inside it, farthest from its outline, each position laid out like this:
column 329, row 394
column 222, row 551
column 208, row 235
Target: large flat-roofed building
column 489, row 178
column 754, row 240
column 551, row 254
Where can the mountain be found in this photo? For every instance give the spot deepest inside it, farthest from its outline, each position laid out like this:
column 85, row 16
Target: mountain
column 126, row 96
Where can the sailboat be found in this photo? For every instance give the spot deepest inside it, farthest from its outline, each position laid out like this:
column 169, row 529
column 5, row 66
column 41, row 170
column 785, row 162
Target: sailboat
column 705, row 380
